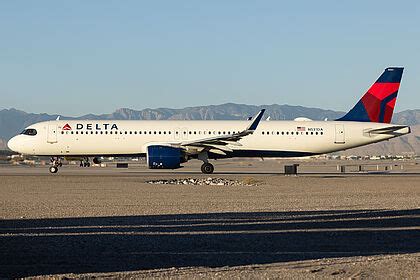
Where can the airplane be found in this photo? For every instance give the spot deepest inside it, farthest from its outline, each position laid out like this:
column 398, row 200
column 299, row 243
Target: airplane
column 167, row 144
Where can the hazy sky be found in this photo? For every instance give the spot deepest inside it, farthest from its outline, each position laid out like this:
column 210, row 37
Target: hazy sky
column 78, row 57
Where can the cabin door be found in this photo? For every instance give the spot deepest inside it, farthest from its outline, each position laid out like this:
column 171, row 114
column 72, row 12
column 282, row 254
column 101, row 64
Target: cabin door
column 52, row 133
column 339, row 134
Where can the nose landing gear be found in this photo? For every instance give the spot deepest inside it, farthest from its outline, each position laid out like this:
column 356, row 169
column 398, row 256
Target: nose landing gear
column 85, row 162
column 53, row 169
column 55, row 164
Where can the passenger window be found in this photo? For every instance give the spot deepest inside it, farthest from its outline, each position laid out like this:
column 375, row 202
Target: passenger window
column 131, row 132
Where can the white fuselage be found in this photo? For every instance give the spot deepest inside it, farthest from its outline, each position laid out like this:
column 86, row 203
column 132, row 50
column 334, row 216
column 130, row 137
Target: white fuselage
column 270, row 139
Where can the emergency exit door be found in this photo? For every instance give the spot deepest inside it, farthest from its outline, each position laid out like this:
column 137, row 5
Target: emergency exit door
column 339, row 134
column 52, row 133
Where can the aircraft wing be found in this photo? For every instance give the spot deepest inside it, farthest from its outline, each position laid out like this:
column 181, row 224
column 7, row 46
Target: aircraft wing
column 219, row 144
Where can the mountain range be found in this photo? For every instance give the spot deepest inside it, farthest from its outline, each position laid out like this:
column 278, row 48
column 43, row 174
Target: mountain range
column 12, row 121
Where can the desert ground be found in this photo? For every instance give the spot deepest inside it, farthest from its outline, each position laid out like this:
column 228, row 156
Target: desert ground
column 109, row 222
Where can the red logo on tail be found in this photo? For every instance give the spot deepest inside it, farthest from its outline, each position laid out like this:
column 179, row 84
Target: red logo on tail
column 67, row 127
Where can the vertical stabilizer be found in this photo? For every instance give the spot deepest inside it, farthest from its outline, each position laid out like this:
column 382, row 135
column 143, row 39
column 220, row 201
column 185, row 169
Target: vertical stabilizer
column 377, row 105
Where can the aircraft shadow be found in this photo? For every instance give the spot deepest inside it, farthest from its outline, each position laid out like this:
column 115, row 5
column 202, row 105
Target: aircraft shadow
column 126, row 243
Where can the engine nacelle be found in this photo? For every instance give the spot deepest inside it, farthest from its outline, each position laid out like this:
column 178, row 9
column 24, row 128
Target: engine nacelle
column 97, row 160
column 164, row 157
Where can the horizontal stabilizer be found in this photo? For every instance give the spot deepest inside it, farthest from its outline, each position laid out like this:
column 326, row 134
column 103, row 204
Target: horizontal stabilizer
column 391, row 130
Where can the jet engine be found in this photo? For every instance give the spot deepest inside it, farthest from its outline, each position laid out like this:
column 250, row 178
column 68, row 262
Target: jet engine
column 97, row 160
column 164, row 157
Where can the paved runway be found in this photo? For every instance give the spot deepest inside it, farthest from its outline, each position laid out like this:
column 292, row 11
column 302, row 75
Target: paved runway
column 108, row 220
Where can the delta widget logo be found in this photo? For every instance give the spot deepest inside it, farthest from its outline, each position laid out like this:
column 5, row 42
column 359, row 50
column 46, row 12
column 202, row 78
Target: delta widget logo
column 67, row 127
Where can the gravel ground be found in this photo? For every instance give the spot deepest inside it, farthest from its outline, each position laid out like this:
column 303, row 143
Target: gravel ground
column 111, row 223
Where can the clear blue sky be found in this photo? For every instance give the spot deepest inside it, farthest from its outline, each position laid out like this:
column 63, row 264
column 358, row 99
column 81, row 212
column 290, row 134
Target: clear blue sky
column 77, row 57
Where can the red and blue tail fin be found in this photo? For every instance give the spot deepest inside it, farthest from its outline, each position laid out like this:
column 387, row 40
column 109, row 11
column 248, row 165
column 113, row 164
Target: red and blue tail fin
column 377, row 105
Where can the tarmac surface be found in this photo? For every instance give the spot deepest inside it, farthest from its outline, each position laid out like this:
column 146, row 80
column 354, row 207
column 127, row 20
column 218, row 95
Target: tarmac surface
column 108, row 222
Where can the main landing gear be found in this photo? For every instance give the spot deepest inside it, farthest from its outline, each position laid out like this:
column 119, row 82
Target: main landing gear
column 55, row 164
column 85, row 162
column 207, row 168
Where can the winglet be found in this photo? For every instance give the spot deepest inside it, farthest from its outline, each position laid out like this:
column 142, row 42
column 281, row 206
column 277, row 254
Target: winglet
column 256, row 120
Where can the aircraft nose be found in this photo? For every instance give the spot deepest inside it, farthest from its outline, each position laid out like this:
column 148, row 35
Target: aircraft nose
column 12, row 144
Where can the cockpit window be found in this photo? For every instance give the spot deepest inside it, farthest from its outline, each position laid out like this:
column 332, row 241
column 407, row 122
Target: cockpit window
column 29, row 131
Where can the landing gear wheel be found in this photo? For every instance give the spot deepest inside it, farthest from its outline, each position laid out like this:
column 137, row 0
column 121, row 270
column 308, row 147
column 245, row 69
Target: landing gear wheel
column 53, row 169
column 85, row 162
column 207, row 168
